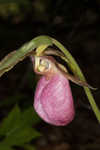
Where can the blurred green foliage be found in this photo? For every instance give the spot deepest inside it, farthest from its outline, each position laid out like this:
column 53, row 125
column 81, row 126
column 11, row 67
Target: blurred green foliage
column 17, row 130
column 13, row 8
column 21, row 8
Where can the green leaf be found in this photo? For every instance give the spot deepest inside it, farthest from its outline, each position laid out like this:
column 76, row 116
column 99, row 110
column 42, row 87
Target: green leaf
column 30, row 117
column 9, row 124
column 77, row 71
column 21, row 136
column 17, row 127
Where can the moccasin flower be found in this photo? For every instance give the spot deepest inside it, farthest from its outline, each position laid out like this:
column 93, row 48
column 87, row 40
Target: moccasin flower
column 53, row 99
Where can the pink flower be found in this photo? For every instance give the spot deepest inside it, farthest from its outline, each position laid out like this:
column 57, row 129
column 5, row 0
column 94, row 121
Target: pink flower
column 53, row 99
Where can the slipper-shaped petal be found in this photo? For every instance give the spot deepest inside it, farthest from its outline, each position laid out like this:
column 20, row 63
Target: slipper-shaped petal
column 53, row 100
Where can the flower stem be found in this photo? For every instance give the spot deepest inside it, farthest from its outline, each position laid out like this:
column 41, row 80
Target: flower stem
column 77, row 71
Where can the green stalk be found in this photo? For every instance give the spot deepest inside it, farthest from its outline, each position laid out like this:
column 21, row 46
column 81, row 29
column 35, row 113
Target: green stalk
column 77, row 71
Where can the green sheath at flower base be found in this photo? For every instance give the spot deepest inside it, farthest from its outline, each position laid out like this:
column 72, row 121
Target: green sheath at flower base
column 27, row 49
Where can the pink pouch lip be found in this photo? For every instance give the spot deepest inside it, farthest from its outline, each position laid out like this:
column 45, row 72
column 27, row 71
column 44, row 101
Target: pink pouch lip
column 53, row 100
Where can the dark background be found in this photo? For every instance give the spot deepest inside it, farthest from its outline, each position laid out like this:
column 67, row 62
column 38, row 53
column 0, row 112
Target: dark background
column 76, row 24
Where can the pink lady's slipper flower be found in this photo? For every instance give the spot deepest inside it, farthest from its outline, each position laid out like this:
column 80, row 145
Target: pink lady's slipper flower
column 53, row 99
